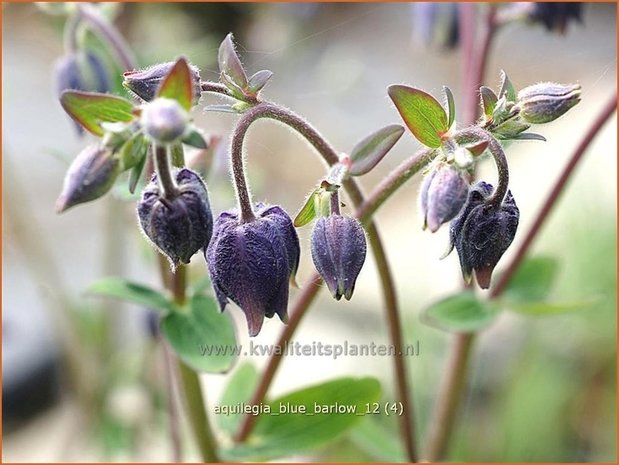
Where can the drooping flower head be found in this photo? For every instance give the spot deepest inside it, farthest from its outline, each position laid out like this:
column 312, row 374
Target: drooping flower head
column 252, row 263
column 442, row 196
column 338, row 251
column 482, row 233
column 179, row 226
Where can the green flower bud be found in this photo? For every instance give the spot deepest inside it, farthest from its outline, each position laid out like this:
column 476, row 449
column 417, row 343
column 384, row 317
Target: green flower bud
column 545, row 102
column 90, row 176
column 164, row 120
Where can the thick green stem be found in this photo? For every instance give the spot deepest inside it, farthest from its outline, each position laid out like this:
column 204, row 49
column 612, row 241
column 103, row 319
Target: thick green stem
column 328, row 153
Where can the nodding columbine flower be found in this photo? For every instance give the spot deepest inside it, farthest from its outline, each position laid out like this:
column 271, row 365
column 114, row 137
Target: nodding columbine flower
column 556, row 16
column 482, row 233
column 338, row 252
column 443, row 194
column 91, row 174
column 252, row 263
column 164, row 120
column 547, row 101
column 145, row 83
column 181, row 225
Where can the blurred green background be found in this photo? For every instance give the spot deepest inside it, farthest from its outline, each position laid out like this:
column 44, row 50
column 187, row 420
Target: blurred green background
column 541, row 389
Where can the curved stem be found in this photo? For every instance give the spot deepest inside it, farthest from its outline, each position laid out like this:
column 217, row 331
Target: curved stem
column 494, row 147
column 215, row 87
column 328, row 153
column 167, row 184
column 110, row 34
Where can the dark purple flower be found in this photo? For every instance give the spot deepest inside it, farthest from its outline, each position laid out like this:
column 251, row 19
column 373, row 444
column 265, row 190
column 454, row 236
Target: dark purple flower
column 338, row 252
column 252, row 263
column 482, row 233
column 443, row 194
column 556, row 16
column 145, row 83
column 180, row 226
column 91, row 174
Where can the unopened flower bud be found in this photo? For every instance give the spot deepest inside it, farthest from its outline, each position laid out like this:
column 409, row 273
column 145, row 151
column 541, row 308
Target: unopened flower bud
column 482, row 233
column 164, row 120
column 443, row 193
column 91, row 174
column 338, row 252
column 145, row 83
column 252, row 263
column 545, row 102
column 179, row 226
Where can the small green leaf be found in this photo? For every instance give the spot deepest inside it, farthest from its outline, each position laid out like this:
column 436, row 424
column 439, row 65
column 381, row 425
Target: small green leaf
column 127, row 291
column 230, row 63
column 423, row 115
column 239, row 390
column 178, row 84
column 510, row 129
column 284, row 434
column 91, row 109
column 195, row 139
column 133, row 151
column 236, row 91
column 532, row 281
column 378, row 440
column 507, row 89
column 221, row 108
column 308, row 212
column 136, row 174
column 551, row 308
column 202, row 336
column 451, row 106
column 259, row 80
column 461, row 312
column 488, row 101
column 529, row 136
column 373, row 148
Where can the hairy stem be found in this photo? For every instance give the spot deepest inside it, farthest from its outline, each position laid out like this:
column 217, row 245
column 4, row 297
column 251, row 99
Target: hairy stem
column 335, row 202
column 167, row 184
column 243, row 197
column 328, row 153
column 110, row 34
column 494, row 147
column 215, row 87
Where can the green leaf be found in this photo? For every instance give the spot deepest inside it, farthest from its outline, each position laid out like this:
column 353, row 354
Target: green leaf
column 195, row 139
column 507, row 89
column 451, row 106
column 133, row 151
column 367, row 153
column 201, row 285
column 510, row 128
column 259, row 80
column 201, row 335
column 551, row 308
column 221, row 108
column 136, row 174
column 461, row 312
column 178, row 84
column 285, row 434
column 121, row 289
column 239, row 390
column 91, row 109
column 423, row 115
column 529, row 136
column 488, row 101
column 308, row 212
column 378, row 441
column 532, row 281
column 230, row 63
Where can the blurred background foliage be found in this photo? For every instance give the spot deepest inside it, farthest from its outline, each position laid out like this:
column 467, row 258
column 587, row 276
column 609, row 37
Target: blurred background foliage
column 82, row 379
